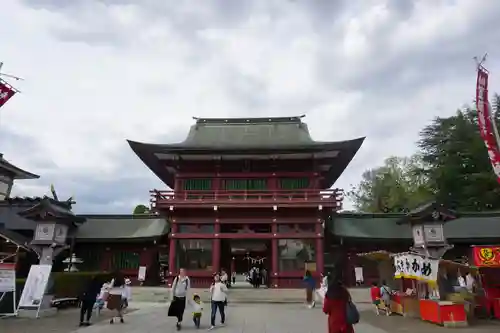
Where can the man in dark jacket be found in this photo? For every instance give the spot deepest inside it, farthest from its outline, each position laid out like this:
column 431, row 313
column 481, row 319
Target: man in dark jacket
column 88, row 299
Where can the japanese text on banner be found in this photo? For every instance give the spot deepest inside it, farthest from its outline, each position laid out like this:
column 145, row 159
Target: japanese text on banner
column 416, row 267
column 486, row 122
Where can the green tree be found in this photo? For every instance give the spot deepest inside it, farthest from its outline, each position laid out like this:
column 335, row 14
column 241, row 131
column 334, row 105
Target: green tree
column 141, row 209
column 456, row 161
column 396, row 186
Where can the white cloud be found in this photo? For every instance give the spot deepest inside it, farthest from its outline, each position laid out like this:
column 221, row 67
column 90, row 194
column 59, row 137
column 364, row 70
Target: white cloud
column 99, row 72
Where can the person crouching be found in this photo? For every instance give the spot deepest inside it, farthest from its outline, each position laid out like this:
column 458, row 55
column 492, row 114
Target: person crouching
column 197, row 310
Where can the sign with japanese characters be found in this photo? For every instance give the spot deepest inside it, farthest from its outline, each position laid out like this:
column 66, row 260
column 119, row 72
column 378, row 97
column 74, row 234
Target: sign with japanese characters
column 416, row 267
column 486, row 256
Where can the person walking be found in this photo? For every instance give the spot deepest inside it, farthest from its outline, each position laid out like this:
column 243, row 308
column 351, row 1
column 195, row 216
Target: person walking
column 115, row 299
column 88, row 299
column 218, row 292
column 335, row 306
column 310, row 287
column 375, row 296
column 180, row 290
column 233, row 276
column 385, row 295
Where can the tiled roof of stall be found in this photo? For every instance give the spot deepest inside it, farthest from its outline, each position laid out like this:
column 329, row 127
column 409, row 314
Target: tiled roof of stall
column 121, row 227
column 384, row 226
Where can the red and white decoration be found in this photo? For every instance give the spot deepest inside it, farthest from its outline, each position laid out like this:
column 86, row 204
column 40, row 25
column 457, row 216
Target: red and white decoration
column 486, row 120
column 6, row 92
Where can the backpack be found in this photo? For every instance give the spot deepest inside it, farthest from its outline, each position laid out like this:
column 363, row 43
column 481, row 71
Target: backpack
column 176, row 280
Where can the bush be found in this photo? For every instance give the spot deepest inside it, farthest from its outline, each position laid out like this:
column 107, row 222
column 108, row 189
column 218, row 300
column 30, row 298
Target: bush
column 63, row 285
column 72, row 284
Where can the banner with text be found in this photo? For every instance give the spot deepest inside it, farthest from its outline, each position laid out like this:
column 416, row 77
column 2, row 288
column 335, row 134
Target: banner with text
column 6, row 92
column 486, row 256
column 486, row 122
column 416, row 267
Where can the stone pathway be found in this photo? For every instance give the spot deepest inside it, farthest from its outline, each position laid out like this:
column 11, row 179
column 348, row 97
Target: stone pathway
column 241, row 318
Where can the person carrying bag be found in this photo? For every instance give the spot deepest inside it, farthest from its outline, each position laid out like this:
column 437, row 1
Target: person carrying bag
column 180, row 290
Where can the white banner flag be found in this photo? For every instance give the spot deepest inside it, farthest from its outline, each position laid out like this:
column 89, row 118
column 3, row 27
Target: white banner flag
column 416, row 267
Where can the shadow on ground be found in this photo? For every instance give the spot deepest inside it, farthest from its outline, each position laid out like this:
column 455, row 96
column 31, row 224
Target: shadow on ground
column 65, row 321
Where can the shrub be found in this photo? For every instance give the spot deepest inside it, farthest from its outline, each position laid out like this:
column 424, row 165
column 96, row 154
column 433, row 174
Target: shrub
column 72, row 284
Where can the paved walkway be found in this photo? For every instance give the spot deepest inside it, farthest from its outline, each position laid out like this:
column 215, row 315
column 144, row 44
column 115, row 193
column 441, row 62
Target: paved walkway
column 241, row 318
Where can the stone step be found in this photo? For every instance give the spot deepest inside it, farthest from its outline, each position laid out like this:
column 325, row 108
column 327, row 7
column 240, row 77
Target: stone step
column 240, row 295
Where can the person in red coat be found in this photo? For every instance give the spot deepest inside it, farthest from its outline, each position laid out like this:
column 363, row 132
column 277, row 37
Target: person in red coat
column 335, row 306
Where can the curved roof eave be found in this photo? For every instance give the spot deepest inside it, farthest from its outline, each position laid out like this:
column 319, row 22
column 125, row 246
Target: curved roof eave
column 146, row 152
column 18, row 172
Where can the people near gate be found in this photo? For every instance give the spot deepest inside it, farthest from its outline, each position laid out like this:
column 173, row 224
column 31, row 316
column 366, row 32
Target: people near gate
column 263, row 274
column 127, row 293
column 385, row 296
column 115, row 298
column 310, row 285
column 88, row 300
column 233, row 276
column 224, row 278
column 335, row 306
column 375, row 296
column 180, row 290
column 218, row 298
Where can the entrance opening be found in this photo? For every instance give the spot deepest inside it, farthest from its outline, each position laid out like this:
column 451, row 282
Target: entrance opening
column 241, row 255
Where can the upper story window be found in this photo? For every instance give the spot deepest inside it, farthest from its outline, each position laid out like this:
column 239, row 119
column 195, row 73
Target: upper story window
column 293, row 183
column 197, row 184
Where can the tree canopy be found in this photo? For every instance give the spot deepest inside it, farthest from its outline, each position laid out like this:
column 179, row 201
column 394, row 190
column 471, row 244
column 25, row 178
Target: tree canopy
column 140, row 209
column 452, row 166
column 395, row 186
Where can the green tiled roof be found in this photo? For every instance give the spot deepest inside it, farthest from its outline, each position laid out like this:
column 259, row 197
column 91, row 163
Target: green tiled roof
column 121, row 227
column 384, row 226
column 253, row 133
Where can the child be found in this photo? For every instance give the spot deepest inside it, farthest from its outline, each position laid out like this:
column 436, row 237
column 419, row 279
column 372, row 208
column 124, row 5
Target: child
column 197, row 310
column 375, row 295
column 101, row 298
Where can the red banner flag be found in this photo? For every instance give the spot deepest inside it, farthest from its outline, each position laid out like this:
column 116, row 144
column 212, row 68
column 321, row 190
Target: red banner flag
column 6, row 92
column 487, row 127
column 486, row 256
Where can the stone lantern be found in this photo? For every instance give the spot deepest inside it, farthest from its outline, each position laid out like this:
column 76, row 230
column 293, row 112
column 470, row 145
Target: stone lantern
column 427, row 224
column 54, row 222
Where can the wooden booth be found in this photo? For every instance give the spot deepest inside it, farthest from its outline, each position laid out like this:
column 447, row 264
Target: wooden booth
column 439, row 300
column 487, row 260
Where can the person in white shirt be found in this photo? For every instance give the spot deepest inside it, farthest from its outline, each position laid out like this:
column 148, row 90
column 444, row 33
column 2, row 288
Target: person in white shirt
column 224, row 277
column 470, row 282
column 180, row 290
column 127, row 293
column 218, row 292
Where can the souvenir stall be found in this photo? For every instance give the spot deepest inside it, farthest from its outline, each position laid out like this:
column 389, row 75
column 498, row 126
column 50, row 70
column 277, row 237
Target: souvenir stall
column 403, row 299
column 487, row 261
column 432, row 290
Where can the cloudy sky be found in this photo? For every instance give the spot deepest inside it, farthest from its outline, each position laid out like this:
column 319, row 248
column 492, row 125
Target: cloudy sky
column 98, row 72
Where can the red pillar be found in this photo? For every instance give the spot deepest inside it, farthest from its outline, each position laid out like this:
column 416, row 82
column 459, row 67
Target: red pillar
column 274, row 256
column 216, row 249
column 319, row 248
column 172, row 270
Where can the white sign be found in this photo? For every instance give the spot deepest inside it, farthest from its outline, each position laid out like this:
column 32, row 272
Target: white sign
column 141, row 276
column 358, row 273
column 7, row 278
column 35, row 286
column 416, row 267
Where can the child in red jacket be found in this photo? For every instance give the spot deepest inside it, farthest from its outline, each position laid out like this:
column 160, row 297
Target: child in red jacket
column 375, row 295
